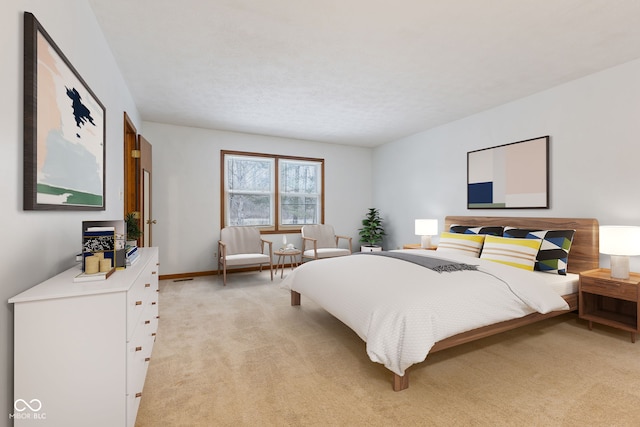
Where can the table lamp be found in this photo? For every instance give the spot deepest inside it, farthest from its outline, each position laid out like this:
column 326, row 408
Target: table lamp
column 425, row 228
column 620, row 242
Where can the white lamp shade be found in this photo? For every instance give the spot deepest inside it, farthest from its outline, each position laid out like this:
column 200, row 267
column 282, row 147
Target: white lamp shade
column 426, row 227
column 620, row 240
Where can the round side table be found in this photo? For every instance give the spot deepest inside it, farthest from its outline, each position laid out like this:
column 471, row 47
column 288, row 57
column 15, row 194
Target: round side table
column 282, row 259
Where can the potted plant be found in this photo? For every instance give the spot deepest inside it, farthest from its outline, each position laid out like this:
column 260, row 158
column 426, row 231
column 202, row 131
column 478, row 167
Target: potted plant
column 133, row 229
column 371, row 232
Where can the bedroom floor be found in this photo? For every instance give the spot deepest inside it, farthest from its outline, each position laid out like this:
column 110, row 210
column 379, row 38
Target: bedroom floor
column 241, row 355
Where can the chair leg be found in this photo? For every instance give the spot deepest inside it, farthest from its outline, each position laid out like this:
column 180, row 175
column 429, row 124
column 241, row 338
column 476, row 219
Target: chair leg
column 224, row 273
column 271, row 269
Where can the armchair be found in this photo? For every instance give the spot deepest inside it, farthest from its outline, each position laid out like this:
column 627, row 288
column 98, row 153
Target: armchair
column 320, row 241
column 242, row 246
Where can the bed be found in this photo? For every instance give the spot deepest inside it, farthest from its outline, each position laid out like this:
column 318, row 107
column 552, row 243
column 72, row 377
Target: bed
column 402, row 320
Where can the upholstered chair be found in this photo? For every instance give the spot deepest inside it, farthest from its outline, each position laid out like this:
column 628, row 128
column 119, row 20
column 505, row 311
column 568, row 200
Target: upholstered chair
column 243, row 246
column 320, row 241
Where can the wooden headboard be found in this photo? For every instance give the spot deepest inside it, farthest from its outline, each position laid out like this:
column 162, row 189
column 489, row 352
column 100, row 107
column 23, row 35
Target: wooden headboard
column 584, row 253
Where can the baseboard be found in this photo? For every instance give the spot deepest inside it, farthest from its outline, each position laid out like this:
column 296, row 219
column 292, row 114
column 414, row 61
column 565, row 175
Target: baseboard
column 207, row 273
column 187, row 275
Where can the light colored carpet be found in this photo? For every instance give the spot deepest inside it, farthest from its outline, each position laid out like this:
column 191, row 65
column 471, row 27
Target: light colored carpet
column 241, row 355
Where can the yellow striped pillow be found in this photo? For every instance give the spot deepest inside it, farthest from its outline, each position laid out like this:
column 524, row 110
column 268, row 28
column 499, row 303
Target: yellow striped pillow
column 519, row 253
column 463, row 244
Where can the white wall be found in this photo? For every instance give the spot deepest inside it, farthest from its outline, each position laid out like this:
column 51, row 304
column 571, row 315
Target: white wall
column 186, row 189
column 594, row 125
column 38, row 245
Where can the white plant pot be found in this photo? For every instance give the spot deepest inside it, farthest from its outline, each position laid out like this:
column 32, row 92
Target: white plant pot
column 370, row 248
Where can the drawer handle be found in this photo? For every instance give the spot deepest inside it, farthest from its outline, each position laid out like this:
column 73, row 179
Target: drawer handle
column 146, row 322
column 153, row 334
column 146, row 359
column 153, row 272
column 139, row 394
column 147, row 285
column 154, row 303
column 138, row 302
column 138, row 348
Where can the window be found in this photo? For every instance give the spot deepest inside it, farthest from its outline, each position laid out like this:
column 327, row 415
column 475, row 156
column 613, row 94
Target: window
column 249, row 190
column 300, row 192
column 275, row 193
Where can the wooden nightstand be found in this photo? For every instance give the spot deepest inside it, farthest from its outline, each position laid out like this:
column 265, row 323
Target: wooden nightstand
column 608, row 301
column 418, row 246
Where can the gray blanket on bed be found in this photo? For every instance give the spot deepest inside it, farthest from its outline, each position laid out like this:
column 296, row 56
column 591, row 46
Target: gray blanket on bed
column 435, row 264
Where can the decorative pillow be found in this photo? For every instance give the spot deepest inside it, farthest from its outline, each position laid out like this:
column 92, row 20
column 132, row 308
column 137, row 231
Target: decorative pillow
column 465, row 229
column 524, row 233
column 553, row 253
column 512, row 251
column 463, row 244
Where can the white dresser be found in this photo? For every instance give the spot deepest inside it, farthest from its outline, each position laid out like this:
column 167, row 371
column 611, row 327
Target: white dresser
column 82, row 349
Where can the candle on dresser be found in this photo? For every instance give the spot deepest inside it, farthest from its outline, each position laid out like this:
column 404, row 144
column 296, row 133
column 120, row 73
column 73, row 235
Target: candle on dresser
column 105, row 265
column 91, row 264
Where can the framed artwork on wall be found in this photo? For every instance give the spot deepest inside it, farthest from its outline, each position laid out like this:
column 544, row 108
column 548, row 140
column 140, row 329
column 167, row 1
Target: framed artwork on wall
column 64, row 130
column 510, row 176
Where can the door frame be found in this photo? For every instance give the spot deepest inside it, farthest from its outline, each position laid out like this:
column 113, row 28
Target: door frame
column 131, row 197
column 145, row 177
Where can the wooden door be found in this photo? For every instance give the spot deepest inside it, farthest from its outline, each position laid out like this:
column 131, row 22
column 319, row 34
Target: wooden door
column 130, row 192
column 137, row 180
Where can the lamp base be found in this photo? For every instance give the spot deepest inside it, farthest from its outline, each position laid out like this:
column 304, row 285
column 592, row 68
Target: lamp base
column 619, row 267
column 425, row 242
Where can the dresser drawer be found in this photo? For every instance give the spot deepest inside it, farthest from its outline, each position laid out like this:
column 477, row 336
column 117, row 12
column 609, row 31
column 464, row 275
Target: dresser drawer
column 135, row 308
column 142, row 294
column 626, row 291
column 133, row 403
column 146, row 324
column 138, row 358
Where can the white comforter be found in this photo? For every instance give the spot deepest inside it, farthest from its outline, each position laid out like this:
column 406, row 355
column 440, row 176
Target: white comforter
column 401, row 309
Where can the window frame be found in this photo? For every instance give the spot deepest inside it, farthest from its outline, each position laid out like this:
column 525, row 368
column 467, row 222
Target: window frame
column 277, row 227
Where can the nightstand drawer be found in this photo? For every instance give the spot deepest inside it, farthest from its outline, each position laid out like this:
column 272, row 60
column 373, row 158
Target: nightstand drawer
column 626, row 291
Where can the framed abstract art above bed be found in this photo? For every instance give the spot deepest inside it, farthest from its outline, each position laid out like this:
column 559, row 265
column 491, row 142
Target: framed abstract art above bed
column 510, row 176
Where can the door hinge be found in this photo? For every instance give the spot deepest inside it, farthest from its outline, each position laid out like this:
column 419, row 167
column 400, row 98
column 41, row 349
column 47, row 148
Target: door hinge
column 135, row 154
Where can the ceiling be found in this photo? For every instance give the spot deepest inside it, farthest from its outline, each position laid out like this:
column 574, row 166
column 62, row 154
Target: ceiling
column 356, row 72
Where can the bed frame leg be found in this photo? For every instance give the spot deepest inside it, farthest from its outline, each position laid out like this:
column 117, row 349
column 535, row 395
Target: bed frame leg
column 400, row 383
column 295, row 298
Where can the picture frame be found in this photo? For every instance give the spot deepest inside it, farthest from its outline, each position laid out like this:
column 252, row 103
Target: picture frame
column 64, row 130
column 509, row 176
